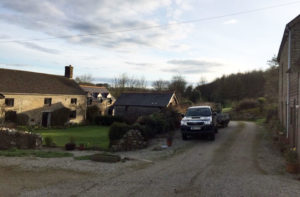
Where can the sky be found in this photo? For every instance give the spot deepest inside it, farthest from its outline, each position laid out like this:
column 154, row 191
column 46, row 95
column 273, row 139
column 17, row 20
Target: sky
column 142, row 38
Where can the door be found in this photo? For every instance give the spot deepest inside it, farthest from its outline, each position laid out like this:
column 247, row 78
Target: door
column 46, row 119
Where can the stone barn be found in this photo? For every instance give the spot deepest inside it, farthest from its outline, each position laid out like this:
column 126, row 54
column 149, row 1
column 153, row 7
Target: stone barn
column 289, row 82
column 138, row 104
column 34, row 97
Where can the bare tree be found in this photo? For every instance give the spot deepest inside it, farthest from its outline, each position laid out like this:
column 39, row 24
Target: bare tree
column 202, row 81
column 86, row 78
column 160, row 85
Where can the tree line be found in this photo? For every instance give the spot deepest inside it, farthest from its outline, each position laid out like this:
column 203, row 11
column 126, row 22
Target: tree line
column 236, row 87
column 224, row 90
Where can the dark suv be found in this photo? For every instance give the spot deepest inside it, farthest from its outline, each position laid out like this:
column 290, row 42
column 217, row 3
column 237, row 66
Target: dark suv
column 199, row 120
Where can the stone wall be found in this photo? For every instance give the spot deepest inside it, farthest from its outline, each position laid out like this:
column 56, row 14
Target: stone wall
column 10, row 138
column 132, row 140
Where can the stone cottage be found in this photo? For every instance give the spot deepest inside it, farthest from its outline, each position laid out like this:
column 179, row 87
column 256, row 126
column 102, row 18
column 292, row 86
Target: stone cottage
column 137, row 104
column 289, row 82
column 100, row 97
column 37, row 95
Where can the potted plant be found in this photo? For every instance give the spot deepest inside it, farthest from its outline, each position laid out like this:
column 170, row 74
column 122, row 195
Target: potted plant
column 291, row 161
column 81, row 146
column 170, row 138
column 70, row 145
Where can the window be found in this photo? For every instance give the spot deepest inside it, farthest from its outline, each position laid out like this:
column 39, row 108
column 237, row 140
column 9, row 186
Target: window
column 9, row 102
column 74, row 101
column 73, row 114
column 48, row 101
column 89, row 100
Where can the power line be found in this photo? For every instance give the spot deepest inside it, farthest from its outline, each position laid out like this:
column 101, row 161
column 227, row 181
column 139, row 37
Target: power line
column 159, row 26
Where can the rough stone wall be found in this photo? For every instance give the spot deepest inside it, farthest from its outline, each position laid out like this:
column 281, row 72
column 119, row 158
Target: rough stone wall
column 33, row 106
column 10, row 138
column 293, row 76
column 132, row 140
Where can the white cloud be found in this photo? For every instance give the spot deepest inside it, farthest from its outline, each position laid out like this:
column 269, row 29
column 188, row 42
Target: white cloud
column 230, row 22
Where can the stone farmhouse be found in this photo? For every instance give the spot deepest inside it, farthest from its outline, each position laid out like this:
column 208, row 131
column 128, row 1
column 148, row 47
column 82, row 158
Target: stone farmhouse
column 100, row 97
column 37, row 95
column 289, row 82
column 137, row 104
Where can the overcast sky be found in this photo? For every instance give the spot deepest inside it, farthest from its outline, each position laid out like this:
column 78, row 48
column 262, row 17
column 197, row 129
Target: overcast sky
column 206, row 48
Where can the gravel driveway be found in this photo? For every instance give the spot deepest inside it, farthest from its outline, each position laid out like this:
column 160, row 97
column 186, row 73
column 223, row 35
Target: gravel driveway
column 233, row 165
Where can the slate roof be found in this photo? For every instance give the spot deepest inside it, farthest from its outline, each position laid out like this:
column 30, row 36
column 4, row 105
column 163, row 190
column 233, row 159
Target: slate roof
column 286, row 34
column 144, row 99
column 16, row 81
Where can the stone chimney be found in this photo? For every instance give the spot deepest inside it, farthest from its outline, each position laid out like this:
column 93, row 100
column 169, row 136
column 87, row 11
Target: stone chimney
column 69, row 72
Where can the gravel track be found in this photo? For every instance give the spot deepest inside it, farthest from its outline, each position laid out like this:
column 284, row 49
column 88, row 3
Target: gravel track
column 226, row 167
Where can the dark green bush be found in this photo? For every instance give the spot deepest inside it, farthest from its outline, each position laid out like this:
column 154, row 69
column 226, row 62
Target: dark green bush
column 246, row 104
column 60, row 117
column 49, row 141
column 22, row 119
column 146, row 132
column 11, row 116
column 107, row 120
column 91, row 113
column 117, row 130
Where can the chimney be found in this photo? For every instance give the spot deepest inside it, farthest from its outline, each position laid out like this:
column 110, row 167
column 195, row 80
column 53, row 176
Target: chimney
column 69, row 72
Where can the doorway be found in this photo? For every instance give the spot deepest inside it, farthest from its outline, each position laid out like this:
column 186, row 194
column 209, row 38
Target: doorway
column 46, row 117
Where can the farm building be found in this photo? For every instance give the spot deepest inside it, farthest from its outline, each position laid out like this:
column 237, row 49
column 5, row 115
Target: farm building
column 289, row 82
column 35, row 96
column 100, row 97
column 137, row 104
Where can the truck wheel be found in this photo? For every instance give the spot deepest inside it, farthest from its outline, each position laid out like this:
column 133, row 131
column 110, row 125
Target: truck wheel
column 216, row 130
column 211, row 137
column 184, row 137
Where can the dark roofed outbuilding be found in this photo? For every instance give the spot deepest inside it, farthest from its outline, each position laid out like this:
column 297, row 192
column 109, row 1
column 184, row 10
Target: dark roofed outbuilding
column 137, row 104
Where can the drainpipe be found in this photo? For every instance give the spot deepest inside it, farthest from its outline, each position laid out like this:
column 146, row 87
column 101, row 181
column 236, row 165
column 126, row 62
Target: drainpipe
column 288, row 82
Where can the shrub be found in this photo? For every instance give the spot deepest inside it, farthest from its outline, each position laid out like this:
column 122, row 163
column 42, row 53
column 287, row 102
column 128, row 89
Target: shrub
column 11, row 116
column 117, row 130
column 48, row 141
column 246, row 104
column 107, row 120
column 22, row 119
column 92, row 112
column 291, row 155
column 146, row 132
column 60, row 117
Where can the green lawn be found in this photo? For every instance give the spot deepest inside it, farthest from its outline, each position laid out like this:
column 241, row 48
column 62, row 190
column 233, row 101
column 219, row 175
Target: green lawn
column 91, row 136
column 226, row 110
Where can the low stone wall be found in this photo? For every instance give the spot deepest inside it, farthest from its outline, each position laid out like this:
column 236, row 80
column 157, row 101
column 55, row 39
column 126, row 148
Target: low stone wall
column 11, row 138
column 132, row 140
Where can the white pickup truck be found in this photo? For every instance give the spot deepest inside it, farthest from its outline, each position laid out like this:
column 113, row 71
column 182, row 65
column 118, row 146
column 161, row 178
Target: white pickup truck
column 199, row 120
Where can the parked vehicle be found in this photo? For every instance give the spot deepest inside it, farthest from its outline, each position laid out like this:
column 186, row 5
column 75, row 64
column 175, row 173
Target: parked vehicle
column 223, row 119
column 199, row 120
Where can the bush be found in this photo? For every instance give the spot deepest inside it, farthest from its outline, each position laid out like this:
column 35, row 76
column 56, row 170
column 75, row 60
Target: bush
column 11, row 116
column 246, row 104
column 146, row 131
column 22, row 119
column 49, row 141
column 92, row 112
column 60, row 117
column 107, row 120
column 117, row 130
